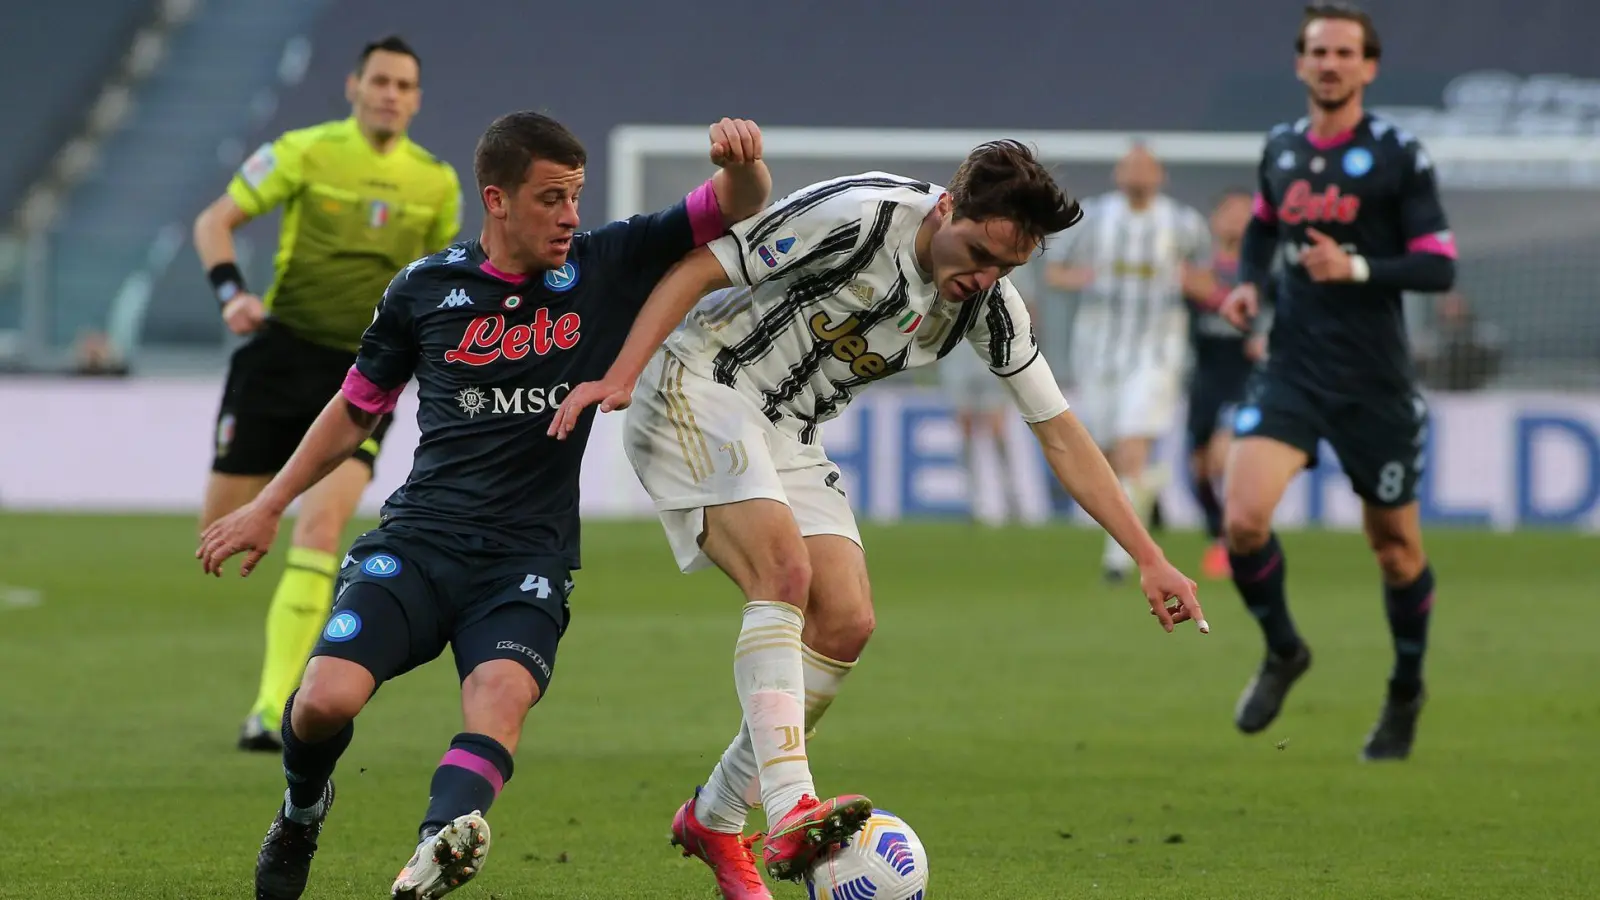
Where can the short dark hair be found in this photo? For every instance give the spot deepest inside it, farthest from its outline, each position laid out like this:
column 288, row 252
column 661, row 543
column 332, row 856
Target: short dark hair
column 1005, row 180
column 1371, row 46
column 512, row 142
column 393, row 43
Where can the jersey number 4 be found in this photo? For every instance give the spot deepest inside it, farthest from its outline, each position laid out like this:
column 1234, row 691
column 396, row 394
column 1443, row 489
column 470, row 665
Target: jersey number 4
column 538, row 584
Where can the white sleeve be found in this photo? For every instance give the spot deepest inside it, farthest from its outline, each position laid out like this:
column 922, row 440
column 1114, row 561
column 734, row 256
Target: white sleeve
column 812, row 226
column 1002, row 331
column 1035, row 392
column 1002, row 334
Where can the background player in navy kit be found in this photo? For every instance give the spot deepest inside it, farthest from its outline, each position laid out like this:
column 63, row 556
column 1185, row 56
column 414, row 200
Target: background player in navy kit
column 1223, row 359
column 1355, row 204
column 475, row 550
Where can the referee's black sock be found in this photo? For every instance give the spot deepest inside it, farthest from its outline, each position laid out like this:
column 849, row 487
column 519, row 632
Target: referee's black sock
column 1259, row 576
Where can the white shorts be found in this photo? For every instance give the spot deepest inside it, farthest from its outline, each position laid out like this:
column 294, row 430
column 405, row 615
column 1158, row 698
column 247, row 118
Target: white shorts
column 695, row 443
column 1140, row 405
column 969, row 384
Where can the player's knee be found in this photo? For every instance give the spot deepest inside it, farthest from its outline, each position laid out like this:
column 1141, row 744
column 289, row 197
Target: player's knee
column 1246, row 530
column 841, row 634
column 323, row 705
column 496, row 697
column 1400, row 559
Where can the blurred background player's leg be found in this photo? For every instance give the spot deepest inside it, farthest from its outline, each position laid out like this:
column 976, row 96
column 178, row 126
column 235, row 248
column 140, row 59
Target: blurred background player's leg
column 1143, row 414
column 979, row 405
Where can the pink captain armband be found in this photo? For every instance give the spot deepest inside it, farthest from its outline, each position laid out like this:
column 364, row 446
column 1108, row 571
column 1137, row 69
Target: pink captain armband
column 1441, row 243
column 364, row 395
column 705, row 214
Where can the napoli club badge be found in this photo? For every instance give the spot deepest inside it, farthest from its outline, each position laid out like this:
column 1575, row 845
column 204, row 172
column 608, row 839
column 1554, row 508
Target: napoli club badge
column 1357, row 161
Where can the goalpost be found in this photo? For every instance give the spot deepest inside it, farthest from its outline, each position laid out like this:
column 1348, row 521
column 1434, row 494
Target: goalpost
column 1526, row 212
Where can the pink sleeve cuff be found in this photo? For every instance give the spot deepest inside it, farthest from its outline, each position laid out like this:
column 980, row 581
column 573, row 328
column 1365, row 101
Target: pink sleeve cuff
column 1442, row 243
column 1262, row 211
column 705, row 214
column 365, row 395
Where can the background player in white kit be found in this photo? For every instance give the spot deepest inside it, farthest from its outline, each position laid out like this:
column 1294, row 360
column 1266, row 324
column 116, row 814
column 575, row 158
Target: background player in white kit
column 1136, row 256
column 981, row 407
column 840, row 284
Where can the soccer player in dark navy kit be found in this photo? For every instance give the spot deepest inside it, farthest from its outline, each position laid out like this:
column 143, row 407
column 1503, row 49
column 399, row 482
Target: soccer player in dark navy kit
column 1224, row 357
column 476, row 550
column 1353, row 203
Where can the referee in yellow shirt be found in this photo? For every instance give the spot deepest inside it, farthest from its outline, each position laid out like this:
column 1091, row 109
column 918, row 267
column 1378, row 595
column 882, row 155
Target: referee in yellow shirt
column 360, row 200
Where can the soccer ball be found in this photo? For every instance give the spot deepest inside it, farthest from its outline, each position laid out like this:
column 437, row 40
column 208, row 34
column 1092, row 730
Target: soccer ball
column 884, row 861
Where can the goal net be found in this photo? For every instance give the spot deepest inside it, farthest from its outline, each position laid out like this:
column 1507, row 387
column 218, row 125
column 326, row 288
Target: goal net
column 1525, row 211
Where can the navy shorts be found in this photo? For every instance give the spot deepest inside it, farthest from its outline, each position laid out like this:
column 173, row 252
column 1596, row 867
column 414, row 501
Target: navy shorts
column 1380, row 439
column 403, row 594
column 1213, row 396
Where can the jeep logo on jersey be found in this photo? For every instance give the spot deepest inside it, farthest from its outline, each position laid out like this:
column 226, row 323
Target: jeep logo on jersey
column 488, row 339
column 1330, row 205
column 517, row 401
column 849, row 347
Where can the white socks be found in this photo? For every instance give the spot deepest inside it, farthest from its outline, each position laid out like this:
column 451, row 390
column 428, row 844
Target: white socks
column 769, row 678
column 735, row 786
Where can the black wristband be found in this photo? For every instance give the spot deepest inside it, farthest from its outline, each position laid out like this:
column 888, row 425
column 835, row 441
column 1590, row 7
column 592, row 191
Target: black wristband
column 227, row 282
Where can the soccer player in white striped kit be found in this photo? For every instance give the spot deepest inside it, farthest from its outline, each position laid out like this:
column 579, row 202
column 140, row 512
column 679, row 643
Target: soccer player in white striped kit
column 836, row 286
column 1134, row 258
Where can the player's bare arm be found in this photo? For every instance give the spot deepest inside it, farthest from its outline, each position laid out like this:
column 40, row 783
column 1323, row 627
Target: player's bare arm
column 694, row 276
column 336, row 434
column 1083, row 470
column 1068, row 277
column 1200, row 285
column 242, row 311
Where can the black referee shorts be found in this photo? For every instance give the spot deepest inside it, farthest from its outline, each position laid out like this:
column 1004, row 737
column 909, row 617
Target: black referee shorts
column 278, row 384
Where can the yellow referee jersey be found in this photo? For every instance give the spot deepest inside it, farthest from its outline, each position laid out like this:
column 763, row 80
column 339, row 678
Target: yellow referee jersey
column 352, row 217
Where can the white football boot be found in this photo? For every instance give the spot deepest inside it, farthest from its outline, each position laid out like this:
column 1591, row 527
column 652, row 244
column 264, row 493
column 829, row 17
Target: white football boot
column 445, row 861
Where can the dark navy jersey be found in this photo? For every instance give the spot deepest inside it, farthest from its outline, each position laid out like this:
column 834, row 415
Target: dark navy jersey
column 1372, row 190
column 493, row 356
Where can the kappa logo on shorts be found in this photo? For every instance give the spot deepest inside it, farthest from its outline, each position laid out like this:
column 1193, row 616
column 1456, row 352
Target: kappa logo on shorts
column 381, row 565
column 342, row 627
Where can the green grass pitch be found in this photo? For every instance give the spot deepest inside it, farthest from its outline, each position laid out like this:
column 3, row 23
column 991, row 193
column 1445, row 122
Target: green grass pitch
column 1042, row 734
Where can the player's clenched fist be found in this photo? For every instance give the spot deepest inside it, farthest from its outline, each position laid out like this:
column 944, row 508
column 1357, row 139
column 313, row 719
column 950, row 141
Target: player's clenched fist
column 1241, row 306
column 735, row 142
column 1325, row 260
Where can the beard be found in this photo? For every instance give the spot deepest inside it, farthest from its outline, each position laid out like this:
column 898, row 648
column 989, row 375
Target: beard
column 1333, row 103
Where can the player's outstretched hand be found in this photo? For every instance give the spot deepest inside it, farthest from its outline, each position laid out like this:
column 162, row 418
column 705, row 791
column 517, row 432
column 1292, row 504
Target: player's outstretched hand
column 1240, row 306
column 1161, row 583
column 610, row 395
column 1325, row 260
column 250, row 529
column 735, row 142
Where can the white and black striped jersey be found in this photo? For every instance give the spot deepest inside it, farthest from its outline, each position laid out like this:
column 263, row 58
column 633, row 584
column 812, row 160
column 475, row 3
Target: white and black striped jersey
column 830, row 298
column 1132, row 315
